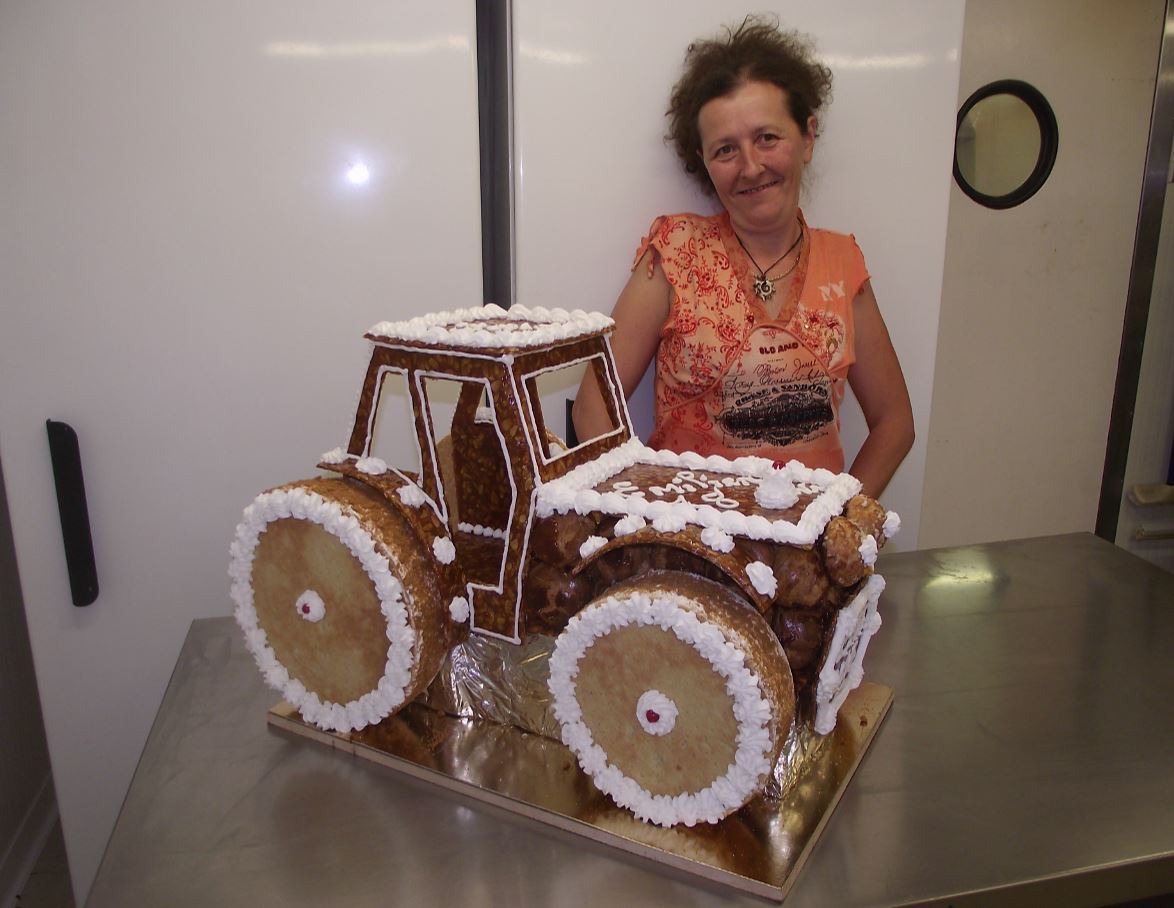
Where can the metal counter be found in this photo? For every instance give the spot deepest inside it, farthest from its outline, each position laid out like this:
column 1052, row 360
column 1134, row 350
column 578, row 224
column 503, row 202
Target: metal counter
column 1028, row 759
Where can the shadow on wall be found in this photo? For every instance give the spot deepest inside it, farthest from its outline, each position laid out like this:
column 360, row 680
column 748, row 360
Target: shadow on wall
column 28, row 808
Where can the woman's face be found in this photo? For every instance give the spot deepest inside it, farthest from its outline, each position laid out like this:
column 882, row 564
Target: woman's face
column 755, row 153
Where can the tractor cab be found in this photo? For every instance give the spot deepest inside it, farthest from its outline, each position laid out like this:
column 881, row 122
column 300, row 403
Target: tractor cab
column 483, row 393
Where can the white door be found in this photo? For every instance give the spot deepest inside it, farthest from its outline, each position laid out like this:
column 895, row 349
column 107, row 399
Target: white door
column 202, row 208
column 1034, row 296
column 591, row 83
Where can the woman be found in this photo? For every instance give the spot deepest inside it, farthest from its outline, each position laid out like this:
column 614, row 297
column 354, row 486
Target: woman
column 756, row 320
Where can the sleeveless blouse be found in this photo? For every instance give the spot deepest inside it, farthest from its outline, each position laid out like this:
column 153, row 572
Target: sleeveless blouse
column 731, row 380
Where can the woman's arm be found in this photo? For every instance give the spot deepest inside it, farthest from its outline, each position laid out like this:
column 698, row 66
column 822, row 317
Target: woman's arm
column 879, row 385
column 639, row 313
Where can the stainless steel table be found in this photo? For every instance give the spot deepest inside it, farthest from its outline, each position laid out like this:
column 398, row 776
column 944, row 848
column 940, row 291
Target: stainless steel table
column 1028, row 759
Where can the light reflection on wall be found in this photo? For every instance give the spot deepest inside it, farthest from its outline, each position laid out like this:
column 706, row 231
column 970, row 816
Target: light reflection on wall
column 358, row 174
column 549, row 55
column 314, row 50
column 886, row 61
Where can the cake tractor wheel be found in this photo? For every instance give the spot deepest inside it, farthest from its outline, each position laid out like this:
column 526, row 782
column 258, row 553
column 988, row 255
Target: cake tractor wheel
column 675, row 696
column 338, row 600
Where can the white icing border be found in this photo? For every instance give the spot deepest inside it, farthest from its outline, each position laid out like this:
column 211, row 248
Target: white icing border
column 855, row 624
column 575, row 492
column 381, row 568
column 752, row 713
column 525, row 327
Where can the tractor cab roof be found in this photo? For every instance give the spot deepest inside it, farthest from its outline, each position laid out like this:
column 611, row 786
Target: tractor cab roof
column 491, row 330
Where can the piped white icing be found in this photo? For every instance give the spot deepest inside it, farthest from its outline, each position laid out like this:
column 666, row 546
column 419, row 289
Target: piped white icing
column 591, row 545
column 334, row 455
column 310, row 607
column 629, row 524
column 868, row 550
column 477, row 530
column 672, row 522
column 444, row 550
column 718, row 540
column 576, row 491
column 843, row 667
column 656, row 713
column 670, row 612
column 762, row 577
column 778, row 490
column 458, row 609
column 380, row 567
column 372, row 466
column 518, row 326
column 411, row 495
column 892, row 524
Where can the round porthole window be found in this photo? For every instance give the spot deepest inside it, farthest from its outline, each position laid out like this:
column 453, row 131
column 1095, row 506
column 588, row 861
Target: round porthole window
column 1005, row 144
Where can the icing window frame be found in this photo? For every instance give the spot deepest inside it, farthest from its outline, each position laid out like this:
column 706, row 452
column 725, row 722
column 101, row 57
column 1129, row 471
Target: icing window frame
column 382, row 375
column 537, row 413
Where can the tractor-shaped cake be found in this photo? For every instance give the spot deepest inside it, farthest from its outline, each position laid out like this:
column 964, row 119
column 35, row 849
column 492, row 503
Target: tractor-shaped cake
column 700, row 605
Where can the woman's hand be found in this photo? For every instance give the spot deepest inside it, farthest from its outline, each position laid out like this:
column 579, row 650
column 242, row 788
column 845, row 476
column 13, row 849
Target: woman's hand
column 879, row 385
column 639, row 313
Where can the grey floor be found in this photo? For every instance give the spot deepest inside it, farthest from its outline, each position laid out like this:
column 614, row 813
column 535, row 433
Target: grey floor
column 48, row 885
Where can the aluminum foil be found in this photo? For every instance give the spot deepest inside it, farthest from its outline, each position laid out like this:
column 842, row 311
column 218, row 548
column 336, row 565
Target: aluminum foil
column 497, row 681
column 504, row 683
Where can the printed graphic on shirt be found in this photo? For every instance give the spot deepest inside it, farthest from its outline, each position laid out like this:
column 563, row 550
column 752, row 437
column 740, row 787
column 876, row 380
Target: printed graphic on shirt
column 778, row 394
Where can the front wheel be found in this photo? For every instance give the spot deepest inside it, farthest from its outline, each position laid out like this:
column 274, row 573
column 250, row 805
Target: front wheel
column 338, row 600
column 675, row 696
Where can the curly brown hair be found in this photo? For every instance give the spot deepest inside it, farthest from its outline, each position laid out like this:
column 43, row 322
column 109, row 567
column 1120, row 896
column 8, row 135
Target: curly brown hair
column 756, row 51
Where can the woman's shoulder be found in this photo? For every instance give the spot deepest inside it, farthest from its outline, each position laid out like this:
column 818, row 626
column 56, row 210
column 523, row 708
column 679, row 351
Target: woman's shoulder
column 669, row 230
column 836, row 262
column 693, row 219
column 832, row 243
column 831, row 238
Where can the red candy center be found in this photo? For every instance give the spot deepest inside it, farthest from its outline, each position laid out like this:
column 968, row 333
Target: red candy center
column 652, row 715
column 305, row 609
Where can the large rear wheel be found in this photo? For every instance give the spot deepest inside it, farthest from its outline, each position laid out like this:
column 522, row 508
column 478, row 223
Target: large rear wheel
column 338, row 600
column 675, row 696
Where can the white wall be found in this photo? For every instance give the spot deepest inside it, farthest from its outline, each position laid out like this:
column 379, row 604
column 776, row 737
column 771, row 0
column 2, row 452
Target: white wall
column 591, row 87
column 187, row 274
column 1034, row 296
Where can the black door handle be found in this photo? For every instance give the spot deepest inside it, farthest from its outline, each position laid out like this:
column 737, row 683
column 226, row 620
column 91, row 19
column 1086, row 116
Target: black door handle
column 75, row 516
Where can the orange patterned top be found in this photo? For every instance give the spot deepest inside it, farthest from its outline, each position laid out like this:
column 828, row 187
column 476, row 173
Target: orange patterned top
column 731, row 380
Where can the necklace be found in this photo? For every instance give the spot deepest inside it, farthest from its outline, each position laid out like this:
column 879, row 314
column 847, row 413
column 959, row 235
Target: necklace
column 764, row 287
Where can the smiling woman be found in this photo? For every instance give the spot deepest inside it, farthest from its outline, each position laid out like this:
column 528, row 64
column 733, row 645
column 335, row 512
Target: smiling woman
column 756, row 321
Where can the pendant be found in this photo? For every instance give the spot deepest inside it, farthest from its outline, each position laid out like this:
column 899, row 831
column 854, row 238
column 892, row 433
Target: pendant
column 764, row 287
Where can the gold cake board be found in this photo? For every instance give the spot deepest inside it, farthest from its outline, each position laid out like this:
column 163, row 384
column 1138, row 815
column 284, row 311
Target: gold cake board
column 758, row 850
